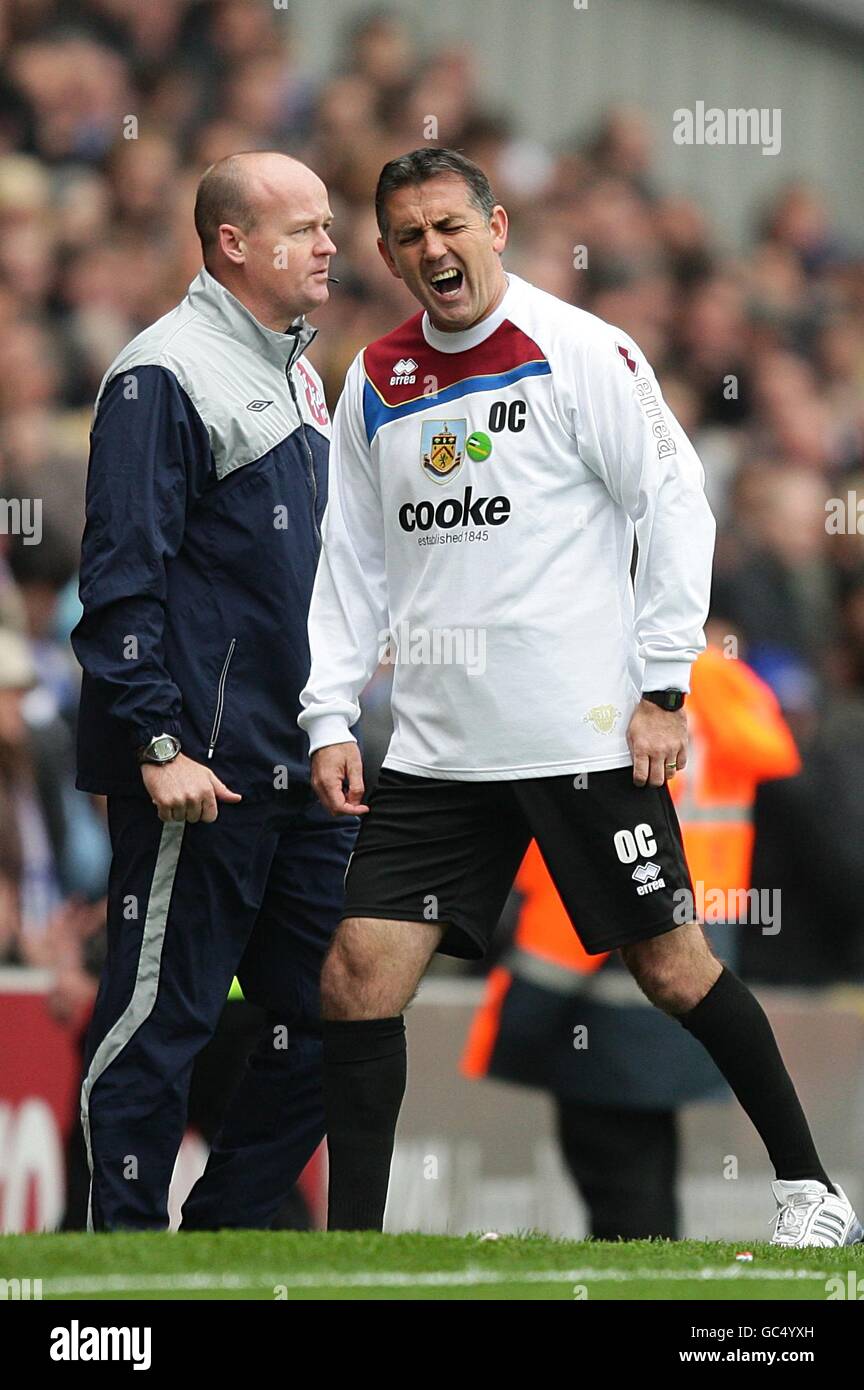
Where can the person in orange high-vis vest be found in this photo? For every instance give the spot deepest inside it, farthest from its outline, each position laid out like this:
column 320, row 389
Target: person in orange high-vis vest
column 577, row 1026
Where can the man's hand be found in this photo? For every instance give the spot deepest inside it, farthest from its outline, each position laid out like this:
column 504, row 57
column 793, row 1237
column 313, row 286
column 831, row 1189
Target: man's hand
column 72, row 995
column 656, row 737
column 185, row 790
column 331, row 768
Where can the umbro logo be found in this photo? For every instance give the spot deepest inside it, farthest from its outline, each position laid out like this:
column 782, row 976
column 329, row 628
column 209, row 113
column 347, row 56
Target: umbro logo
column 258, row 405
column 403, row 372
column 646, row 876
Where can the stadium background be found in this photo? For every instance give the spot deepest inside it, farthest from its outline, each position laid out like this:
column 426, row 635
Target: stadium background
column 718, row 260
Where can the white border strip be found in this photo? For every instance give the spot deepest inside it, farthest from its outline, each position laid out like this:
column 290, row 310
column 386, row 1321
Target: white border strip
column 146, row 986
column 464, row 1278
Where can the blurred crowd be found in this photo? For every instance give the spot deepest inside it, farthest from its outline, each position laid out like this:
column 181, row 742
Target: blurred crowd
column 110, row 112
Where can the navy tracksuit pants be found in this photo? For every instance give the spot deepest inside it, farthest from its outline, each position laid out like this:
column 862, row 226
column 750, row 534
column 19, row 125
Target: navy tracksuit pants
column 258, row 894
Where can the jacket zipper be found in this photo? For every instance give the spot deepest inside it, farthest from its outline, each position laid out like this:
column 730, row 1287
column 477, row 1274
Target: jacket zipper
column 220, row 699
column 312, row 477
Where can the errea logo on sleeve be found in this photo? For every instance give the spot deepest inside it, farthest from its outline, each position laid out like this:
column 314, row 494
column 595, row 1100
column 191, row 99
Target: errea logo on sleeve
column 651, row 407
column 626, row 357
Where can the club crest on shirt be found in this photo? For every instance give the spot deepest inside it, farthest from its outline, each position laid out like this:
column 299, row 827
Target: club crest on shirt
column 442, row 448
column 602, row 717
column 314, row 396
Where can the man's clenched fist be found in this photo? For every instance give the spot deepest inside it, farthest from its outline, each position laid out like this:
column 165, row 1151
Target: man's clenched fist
column 185, row 790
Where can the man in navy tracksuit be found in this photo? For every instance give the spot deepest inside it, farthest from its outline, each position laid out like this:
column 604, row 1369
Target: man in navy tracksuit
column 205, row 494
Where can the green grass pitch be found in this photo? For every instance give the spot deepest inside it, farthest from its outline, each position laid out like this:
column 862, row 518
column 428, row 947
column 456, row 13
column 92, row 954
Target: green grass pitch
column 276, row 1265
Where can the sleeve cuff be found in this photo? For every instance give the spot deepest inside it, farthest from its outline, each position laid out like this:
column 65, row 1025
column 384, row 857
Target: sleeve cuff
column 324, row 729
column 140, row 734
column 666, row 675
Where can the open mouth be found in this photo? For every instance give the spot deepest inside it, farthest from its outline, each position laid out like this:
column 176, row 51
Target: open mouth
column 447, row 283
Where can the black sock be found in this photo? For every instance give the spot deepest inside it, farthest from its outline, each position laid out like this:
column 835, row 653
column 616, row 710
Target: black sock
column 364, row 1081
column 731, row 1025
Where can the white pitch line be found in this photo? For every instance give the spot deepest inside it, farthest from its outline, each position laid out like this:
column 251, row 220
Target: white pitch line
column 157, row 1283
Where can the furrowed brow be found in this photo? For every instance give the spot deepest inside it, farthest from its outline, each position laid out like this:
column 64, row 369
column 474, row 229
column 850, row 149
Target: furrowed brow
column 440, row 223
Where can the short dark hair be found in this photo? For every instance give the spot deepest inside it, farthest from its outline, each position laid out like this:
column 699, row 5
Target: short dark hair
column 428, row 163
column 223, row 196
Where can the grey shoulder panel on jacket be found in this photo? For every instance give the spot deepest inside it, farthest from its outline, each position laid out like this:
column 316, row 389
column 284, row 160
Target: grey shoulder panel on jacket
column 242, row 398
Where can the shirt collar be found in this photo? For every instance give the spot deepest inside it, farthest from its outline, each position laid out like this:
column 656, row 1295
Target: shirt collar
column 478, row 332
column 220, row 307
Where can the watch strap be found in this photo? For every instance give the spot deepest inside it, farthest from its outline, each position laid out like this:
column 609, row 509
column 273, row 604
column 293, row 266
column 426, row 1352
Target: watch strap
column 670, row 700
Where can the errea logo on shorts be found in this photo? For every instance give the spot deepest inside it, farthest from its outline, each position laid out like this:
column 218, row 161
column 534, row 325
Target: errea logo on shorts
column 644, row 873
column 647, row 878
column 640, row 843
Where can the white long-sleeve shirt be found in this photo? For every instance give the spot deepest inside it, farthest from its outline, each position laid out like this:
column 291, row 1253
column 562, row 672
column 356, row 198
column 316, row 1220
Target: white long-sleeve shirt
column 501, row 576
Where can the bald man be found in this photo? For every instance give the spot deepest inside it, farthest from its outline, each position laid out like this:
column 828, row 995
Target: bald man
column 205, row 494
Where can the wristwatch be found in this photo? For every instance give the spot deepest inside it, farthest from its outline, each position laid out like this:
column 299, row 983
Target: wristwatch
column 667, row 699
column 162, row 748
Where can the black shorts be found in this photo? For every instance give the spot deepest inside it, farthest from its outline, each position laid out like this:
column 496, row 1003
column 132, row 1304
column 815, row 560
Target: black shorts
column 443, row 851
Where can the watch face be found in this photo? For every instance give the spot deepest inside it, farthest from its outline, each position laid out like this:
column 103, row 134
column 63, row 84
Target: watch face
column 666, row 699
column 163, row 749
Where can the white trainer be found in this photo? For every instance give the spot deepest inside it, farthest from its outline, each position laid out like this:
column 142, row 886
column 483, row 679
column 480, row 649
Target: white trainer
column 808, row 1214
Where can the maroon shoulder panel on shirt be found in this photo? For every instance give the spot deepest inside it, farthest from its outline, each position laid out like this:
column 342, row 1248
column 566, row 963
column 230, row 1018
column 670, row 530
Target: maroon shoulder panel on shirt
column 505, row 349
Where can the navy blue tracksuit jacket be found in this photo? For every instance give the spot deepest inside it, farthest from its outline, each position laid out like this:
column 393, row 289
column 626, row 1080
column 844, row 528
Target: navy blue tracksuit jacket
column 206, row 489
